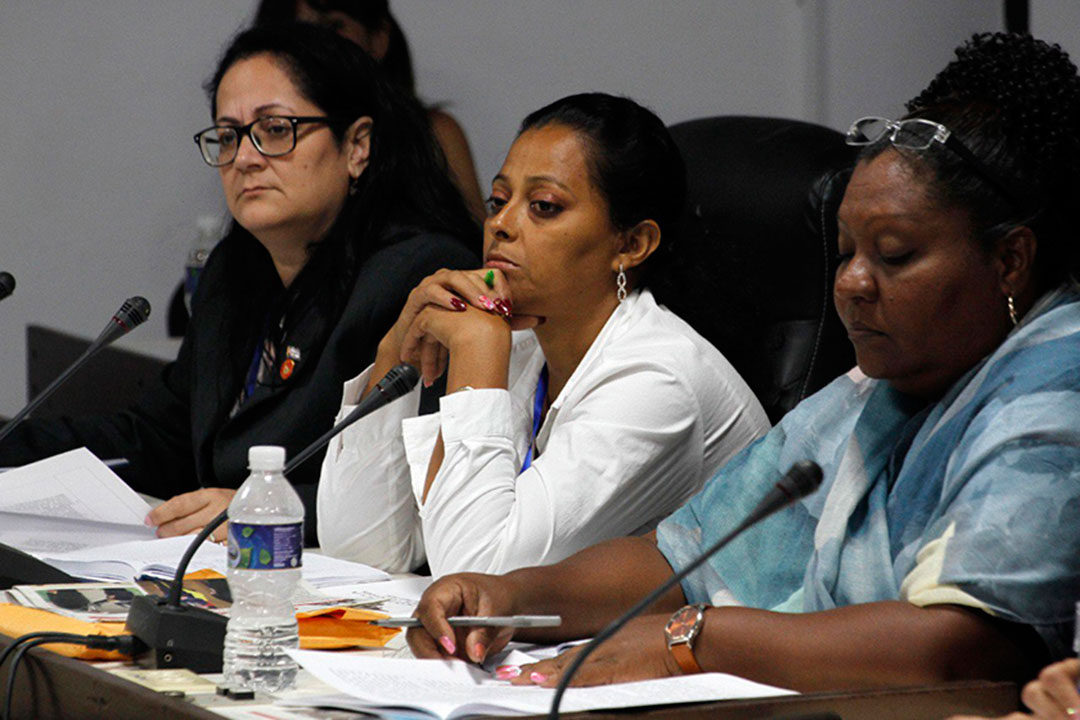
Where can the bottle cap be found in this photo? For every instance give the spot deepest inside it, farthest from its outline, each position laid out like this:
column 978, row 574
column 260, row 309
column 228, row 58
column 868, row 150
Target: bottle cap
column 208, row 225
column 266, row 457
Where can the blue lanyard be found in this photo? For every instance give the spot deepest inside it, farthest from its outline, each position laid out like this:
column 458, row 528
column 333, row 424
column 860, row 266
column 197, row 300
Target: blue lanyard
column 538, row 412
column 252, row 378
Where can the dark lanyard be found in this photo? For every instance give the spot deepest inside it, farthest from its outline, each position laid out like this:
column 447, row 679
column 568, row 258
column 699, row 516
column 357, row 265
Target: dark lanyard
column 256, row 361
column 538, row 413
column 253, row 369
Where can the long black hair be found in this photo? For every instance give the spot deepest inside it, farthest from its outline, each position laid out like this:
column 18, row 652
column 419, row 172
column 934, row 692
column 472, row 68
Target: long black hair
column 632, row 160
column 1014, row 102
column 374, row 15
column 405, row 185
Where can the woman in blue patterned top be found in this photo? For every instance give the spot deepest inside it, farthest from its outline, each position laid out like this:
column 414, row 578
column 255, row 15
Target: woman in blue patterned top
column 945, row 540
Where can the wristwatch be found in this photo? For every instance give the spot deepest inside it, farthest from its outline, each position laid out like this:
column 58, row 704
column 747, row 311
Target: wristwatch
column 681, row 632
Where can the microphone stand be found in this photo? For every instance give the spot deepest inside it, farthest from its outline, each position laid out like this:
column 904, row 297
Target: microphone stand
column 805, row 477
column 191, row 637
column 132, row 313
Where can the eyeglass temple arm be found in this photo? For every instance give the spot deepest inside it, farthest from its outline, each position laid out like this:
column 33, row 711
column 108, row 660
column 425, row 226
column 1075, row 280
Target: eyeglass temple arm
column 960, row 149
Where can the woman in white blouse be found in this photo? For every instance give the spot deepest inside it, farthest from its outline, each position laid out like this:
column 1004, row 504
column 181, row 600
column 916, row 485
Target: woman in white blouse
column 577, row 408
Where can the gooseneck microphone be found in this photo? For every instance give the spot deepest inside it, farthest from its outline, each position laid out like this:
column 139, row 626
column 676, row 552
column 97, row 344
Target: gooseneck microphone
column 183, row 636
column 396, row 383
column 131, row 314
column 7, row 284
column 800, row 480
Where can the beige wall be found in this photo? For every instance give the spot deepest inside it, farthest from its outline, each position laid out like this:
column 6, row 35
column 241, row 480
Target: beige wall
column 100, row 183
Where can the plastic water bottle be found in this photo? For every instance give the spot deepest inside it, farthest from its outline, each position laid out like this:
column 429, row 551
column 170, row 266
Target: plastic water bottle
column 1076, row 631
column 208, row 232
column 266, row 532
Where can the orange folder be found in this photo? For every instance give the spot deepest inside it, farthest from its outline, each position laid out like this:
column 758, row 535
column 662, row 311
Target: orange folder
column 342, row 627
column 16, row 620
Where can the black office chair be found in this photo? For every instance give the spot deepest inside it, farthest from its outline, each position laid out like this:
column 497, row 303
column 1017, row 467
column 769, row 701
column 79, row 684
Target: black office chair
column 755, row 256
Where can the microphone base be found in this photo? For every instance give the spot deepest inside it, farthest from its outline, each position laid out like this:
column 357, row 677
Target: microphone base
column 18, row 568
column 177, row 637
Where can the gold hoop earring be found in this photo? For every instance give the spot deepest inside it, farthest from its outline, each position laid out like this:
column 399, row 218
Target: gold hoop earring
column 620, row 284
column 1012, row 310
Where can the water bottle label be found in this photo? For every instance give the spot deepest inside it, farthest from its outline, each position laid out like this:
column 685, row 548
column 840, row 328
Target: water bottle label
column 265, row 547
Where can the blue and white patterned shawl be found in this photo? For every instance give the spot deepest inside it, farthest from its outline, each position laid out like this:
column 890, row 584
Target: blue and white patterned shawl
column 974, row 500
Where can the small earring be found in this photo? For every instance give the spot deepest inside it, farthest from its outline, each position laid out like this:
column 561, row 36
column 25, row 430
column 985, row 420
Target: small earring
column 620, row 282
column 1012, row 310
column 354, row 185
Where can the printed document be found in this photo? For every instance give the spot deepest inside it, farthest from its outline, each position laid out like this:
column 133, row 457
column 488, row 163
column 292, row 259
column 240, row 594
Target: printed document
column 452, row 689
column 159, row 557
column 76, row 514
column 68, row 502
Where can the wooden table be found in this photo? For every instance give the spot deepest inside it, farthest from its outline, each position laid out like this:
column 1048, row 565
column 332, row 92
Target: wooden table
column 51, row 686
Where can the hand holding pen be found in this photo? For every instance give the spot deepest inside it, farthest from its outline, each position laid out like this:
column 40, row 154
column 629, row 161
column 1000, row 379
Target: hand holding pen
column 456, row 599
column 509, row 621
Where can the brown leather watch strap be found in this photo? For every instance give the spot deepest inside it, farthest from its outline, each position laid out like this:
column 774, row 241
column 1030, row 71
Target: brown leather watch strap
column 684, row 655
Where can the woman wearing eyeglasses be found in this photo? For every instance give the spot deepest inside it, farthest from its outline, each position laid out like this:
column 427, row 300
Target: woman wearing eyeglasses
column 944, row 542
column 341, row 205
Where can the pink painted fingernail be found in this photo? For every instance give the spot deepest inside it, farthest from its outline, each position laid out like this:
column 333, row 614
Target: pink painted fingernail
column 148, row 522
column 506, row 672
column 538, row 678
column 447, row 644
column 478, row 652
column 486, row 302
column 428, row 383
column 458, row 304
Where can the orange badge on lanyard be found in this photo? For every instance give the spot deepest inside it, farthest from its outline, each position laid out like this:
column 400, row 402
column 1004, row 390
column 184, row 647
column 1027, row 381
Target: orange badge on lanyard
column 287, row 368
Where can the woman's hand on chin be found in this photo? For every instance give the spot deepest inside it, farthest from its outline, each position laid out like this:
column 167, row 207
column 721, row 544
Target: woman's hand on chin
column 474, row 336
column 637, row 652
column 187, row 513
column 451, row 290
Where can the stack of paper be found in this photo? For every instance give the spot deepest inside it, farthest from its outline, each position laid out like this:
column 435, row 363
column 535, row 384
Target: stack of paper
column 453, row 689
column 68, row 502
column 76, row 514
column 159, row 557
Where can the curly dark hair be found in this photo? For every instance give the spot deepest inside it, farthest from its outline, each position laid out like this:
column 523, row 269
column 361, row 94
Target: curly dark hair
column 1014, row 101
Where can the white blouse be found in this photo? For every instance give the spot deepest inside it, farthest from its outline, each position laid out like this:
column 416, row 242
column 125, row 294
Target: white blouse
column 650, row 413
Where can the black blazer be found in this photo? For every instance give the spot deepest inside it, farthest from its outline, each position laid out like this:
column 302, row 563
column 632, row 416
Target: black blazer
column 179, row 437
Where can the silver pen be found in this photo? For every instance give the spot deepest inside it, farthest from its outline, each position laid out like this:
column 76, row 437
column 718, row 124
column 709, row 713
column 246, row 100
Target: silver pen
column 516, row 621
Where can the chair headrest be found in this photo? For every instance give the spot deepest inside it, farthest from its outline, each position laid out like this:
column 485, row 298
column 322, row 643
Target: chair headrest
column 754, row 250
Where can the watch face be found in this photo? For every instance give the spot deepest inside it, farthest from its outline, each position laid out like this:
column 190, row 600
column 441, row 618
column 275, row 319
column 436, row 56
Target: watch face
column 681, row 626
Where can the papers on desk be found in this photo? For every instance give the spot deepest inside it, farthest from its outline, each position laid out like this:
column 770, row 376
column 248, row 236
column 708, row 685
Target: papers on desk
column 453, row 689
column 76, row 514
column 68, row 502
column 159, row 557
column 124, row 562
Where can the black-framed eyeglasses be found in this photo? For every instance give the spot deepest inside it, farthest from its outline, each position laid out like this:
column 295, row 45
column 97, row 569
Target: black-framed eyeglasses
column 919, row 134
column 272, row 135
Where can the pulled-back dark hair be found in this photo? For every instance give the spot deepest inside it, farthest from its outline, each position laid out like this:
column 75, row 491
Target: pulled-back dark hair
column 374, row 15
column 405, row 186
column 1014, row 101
column 632, row 161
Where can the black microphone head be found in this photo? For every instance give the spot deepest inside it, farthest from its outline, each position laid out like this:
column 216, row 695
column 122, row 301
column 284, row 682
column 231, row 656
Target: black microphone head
column 801, row 479
column 399, row 381
column 7, row 284
column 131, row 314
